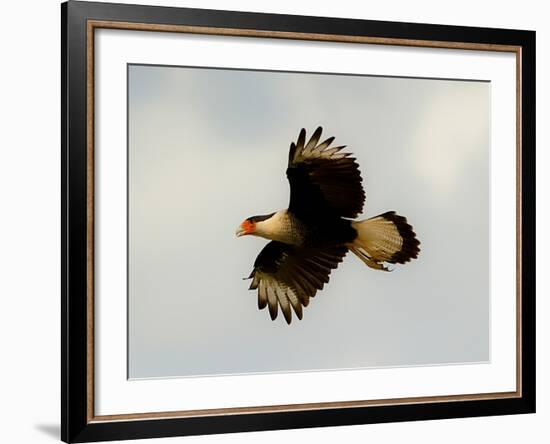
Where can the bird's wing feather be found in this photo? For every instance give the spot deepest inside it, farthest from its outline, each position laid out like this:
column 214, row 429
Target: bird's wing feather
column 323, row 179
column 287, row 276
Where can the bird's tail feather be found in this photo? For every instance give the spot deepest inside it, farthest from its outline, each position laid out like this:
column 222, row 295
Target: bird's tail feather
column 384, row 238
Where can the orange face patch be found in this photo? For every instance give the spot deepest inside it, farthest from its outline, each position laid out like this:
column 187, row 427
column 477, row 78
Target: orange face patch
column 248, row 226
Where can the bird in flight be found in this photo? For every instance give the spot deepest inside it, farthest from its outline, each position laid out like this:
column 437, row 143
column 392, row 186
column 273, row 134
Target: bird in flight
column 311, row 237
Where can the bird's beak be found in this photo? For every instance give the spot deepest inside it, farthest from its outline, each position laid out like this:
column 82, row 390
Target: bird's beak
column 240, row 231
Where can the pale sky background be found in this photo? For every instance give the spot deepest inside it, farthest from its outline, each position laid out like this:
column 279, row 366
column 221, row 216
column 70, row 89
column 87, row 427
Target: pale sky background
column 208, row 148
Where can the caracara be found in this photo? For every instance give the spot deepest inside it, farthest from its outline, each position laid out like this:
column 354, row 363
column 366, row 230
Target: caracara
column 315, row 232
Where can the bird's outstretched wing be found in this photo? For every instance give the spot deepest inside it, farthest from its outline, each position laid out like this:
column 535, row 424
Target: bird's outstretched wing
column 323, row 178
column 287, row 276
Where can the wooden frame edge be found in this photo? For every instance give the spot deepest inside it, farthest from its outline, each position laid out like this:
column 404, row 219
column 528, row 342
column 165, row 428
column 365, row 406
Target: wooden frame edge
column 303, row 407
column 337, row 38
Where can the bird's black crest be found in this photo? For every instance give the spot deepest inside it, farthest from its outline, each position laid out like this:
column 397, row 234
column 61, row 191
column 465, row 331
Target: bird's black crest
column 259, row 218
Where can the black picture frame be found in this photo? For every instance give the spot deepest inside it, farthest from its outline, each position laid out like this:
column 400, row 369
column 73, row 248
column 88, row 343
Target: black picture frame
column 77, row 425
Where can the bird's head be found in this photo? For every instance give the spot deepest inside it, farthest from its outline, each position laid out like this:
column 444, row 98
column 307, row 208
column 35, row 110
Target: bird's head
column 252, row 225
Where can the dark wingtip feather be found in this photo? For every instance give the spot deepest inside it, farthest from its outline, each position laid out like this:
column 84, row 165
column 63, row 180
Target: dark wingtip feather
column 288, row 316
column 298, row 310
column 326, row 143
column 312, row 143
column 301, row 139
column 261, row 303
column 273, row 311
column 317, row 133
column 291, row 153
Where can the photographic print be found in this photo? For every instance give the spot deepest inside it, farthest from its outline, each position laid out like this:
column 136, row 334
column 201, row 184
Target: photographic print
column 290, row 221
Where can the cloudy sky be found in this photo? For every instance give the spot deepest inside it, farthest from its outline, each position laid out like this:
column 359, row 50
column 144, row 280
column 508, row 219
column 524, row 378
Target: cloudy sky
column 208, row 148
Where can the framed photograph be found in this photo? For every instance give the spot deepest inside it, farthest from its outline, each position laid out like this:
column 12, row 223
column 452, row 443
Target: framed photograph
column 275, row 221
